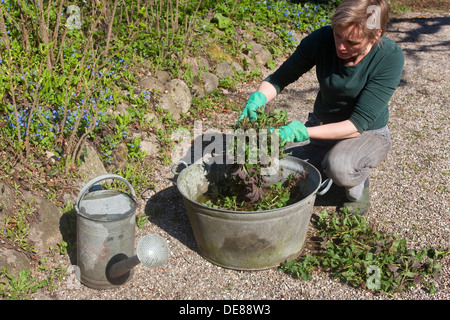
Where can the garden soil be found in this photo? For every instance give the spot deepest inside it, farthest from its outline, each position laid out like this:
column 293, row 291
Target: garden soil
column 409, row 192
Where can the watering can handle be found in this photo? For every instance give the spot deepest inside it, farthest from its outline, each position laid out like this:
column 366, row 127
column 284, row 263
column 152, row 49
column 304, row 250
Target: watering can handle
column 326, row 185
column 96, row 180
column 176, row 164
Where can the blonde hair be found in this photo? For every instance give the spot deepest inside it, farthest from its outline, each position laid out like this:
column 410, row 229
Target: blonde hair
column 369, row 16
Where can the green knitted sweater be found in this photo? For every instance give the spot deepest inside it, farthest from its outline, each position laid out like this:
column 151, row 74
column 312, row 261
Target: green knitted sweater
column 359, row 93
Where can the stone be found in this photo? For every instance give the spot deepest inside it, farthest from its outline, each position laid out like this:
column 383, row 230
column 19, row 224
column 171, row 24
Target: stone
column 166, row 102
column 7, row 201
column 197, row 87
column 224, row 69
column 203, row 64
column 260, row 54
column 192, row 63
column 180, row 94
column 162, row 76
column 13, row 261
column 45, row 233
column 119, row 156
column 214, row 51
column 151, row 119
column 152, row 84
column 247, row 62
column 121, row 109
column 236, row 66
column 92, row 166
column 150, row 145
column 205, row 83
column 210, row 81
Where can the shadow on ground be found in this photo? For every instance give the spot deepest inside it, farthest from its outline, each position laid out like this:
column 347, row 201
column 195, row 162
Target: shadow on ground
column 166, row 210
column 423, row 26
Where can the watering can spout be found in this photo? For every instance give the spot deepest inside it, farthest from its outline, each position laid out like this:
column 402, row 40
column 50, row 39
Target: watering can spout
column 152, row 252
column 120, row 268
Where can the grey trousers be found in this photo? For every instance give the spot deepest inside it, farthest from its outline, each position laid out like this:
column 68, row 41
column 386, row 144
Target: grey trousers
column 348, row 161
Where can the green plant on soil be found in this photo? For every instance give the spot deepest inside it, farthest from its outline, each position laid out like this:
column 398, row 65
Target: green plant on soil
column 20, row 287
column 243, row 186
column 55, row 86
column 356, row 253
column 65, row 64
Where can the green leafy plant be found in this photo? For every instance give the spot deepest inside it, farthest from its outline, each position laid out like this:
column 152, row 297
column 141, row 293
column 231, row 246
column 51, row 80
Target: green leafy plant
column 141, row 220
column 244, row 186
column 358, row 254
column 223, row 23
column 19, row 288
column 16, row 227
column 56, row 85
column 60, row 72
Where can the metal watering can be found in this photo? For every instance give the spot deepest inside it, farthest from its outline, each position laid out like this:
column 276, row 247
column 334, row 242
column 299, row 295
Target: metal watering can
column 106, row 235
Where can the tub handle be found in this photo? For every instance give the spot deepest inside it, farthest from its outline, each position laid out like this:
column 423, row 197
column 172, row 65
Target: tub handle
column 175, row 166
column 326, row 185
column 96, row 180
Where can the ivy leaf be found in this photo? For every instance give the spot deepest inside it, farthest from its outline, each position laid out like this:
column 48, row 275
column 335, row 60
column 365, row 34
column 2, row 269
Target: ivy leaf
column 418, row 279
column 222, row 22
column 393, row 268
column 239, row 173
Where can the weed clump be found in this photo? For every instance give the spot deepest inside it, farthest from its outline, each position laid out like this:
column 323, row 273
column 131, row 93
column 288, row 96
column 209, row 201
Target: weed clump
column 244, row 186
column 359, row 255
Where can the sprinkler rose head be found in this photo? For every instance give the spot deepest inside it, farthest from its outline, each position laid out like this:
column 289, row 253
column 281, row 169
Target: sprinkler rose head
column 152, row 251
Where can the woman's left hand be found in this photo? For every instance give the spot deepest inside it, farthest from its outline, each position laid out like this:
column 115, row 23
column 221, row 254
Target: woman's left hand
column 293, row 132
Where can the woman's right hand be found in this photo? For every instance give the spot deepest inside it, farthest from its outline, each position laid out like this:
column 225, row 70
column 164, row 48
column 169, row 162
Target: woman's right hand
column 255, row 101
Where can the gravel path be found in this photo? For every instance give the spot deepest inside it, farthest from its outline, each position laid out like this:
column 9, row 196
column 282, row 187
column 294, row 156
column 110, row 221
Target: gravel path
column 409, row 192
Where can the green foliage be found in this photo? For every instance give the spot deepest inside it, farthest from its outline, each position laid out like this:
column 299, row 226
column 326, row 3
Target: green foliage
column 359, row 255
column 19, row 288
column 243, row 186
column 140, row 221
column 223, row 23
column 282, row 17
column 56, row 86
column 16, row 227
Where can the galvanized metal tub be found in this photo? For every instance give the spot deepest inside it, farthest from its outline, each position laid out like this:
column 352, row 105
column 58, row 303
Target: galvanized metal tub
column 250, row 240
column 105, row 232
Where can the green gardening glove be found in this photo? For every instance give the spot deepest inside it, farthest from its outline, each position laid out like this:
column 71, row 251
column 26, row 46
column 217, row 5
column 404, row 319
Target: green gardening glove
column 255, row 101
column 294, row 132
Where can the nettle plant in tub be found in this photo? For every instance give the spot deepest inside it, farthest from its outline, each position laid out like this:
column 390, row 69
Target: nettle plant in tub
column 256, row 151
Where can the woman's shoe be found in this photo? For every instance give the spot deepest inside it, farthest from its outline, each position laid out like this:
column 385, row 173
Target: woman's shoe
column 360, row 206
